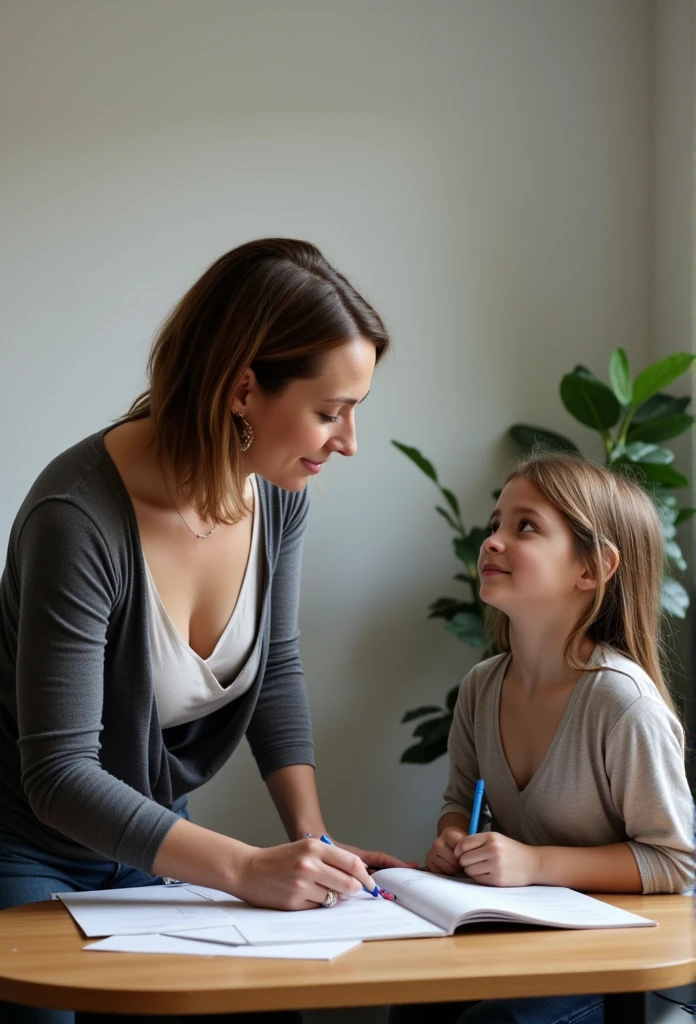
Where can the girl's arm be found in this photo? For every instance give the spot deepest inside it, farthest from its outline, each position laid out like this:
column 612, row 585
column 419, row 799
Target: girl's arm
column 589, row 868
column 494, row 859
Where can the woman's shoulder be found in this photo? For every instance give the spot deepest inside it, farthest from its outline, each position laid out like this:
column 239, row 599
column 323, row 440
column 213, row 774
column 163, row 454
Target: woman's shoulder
column 82, row 479
column 281, row 506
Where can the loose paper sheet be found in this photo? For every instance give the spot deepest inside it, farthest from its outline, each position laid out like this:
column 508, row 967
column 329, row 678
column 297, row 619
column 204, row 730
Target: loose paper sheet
column 190, row 947
column 146, row 909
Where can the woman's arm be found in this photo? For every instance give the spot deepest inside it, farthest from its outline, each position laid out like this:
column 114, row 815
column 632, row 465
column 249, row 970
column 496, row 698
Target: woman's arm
column 295, row 876
column 294, row 793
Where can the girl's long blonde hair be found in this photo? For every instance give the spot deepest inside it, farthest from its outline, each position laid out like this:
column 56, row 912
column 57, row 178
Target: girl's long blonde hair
column 605, row 510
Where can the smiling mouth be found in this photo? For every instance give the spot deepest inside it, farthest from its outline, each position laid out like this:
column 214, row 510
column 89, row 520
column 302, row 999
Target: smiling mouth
column 493, row 570
column 313, row 467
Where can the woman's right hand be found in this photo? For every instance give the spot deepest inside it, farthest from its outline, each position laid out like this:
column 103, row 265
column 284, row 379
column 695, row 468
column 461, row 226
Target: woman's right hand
column 297, row 876
column 440, row 859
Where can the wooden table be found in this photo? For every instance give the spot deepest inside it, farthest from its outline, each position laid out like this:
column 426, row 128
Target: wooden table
column 42, row 963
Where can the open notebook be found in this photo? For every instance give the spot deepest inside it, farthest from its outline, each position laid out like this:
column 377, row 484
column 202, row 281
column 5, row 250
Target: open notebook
column 427, row 905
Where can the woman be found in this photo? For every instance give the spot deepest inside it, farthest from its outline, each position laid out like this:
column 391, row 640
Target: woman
column 148, row 608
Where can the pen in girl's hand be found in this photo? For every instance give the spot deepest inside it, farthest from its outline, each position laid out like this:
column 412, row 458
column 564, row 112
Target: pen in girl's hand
column 476, row 809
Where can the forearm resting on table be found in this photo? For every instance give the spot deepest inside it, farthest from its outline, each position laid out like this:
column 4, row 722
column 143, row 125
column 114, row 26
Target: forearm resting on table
column 294, row 793
column 589, row 868
column 197, row 855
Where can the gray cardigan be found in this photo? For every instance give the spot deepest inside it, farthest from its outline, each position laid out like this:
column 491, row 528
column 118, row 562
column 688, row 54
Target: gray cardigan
column 86, row 771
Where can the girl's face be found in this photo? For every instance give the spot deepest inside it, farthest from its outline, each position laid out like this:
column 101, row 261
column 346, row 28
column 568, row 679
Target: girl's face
column 529, row 560
column 297, row 431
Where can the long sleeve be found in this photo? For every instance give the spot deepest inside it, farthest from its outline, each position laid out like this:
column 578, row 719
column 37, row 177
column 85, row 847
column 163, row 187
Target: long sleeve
column 68, row 586
column 464, row 770
column 645, row 766
column 280, row 732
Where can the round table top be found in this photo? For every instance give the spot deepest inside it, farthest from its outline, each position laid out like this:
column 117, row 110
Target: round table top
column 43, row 963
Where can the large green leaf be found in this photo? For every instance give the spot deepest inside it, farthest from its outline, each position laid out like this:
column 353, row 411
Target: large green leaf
column 468, row 627
column 683, row 514
column 448, row 607
column 659, row 375
column 447, row 517
column 590, row 401
column 420, row 460
column 452, row 696
column 668, row 519
column 531, row 438
column 663, row 428
column 660, row 405
column 467, row 548
column 620, row 376
column 451, row 500
column 674, row 553
column 427, row 709
column 675, row 599
column 639, row 451
column 433, row 742
column 649, row 474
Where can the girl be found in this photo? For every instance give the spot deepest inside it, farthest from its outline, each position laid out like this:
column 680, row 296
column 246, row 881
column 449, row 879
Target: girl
column 572, row 727
column 148, row 608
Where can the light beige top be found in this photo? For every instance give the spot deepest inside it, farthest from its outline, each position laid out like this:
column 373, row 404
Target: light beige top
column 614, row 771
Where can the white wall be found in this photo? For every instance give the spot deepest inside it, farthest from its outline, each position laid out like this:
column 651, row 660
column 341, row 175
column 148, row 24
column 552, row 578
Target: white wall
column 483, row 169
column 479, row 168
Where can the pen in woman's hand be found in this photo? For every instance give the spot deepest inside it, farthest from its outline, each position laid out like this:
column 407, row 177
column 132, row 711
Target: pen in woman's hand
column 372, row 892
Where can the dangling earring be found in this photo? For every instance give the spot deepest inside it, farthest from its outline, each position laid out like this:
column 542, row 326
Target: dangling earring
column 245, row 432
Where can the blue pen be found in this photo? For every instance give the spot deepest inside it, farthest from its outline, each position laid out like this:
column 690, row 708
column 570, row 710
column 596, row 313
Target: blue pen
column 476, row 809
column 325, row 839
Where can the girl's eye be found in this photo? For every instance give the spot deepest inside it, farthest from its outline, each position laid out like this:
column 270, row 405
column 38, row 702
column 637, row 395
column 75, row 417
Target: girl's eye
column 328, row 419
column 524, row 523
column 491, row 528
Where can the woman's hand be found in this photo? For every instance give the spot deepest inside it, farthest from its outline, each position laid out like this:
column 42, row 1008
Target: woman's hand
column 441, row 858
column 375, row 859
column 297, row 876
column 493, row 859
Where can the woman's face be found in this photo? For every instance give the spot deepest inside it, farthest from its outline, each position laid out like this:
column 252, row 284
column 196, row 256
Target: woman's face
column 297, row 431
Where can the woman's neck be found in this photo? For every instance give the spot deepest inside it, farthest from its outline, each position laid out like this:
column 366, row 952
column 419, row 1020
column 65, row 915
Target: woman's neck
column 537, row 654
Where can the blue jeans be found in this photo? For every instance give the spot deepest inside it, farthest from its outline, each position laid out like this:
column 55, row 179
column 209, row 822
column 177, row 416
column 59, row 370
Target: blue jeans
column 546, row 1010
column 29, row 874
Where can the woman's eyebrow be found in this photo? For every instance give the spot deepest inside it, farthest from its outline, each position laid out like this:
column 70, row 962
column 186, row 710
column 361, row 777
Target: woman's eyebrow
column 345, row 401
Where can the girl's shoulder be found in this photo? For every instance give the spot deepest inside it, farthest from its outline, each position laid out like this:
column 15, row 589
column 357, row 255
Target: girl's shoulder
column 620, row 687
column 481, row 677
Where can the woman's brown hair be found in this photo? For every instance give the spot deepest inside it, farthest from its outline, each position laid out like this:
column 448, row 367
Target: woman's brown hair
column 605, row 510
column 275, row 305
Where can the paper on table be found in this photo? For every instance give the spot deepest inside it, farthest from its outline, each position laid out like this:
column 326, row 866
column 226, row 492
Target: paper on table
column 145, row 909
column 357, row 917
column 170, row 944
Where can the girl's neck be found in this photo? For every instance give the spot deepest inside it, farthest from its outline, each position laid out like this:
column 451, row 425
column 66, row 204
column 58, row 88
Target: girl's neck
column 537, row 655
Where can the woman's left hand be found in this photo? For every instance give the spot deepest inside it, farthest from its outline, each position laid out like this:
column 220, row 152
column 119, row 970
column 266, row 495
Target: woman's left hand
column 493, row 859
column 376, row 859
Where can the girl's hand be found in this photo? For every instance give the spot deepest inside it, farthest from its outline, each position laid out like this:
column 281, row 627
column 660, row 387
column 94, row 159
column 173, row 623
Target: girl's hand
column 492, row 859
column 441, row 858
column 297, row 876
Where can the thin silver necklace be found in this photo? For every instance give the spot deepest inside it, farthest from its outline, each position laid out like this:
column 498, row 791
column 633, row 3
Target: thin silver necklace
column 198, row 536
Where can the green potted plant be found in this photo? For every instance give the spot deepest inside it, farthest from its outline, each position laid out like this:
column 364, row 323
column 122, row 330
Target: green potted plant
column 633, row 418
